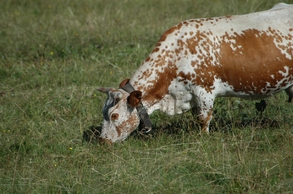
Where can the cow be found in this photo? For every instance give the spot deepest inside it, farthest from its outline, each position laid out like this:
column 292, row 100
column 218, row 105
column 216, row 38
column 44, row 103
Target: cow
column 247, row 56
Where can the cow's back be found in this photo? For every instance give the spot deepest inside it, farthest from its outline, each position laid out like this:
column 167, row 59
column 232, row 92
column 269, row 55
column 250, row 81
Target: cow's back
column 247, row 54
column 253, row 55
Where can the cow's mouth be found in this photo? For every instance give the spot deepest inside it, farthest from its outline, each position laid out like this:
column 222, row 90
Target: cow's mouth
column 104, row 141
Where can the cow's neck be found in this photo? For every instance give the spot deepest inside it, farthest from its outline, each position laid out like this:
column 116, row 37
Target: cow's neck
column 150, row 98
column 158, row 81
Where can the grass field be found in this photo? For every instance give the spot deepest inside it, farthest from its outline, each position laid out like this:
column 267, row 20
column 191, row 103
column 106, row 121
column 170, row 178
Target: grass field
column 54, row 54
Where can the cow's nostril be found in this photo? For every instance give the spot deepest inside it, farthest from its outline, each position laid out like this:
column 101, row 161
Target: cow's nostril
column 114, row 116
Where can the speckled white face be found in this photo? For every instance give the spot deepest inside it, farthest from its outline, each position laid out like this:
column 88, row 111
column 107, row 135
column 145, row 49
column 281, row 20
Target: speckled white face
column 120, row 119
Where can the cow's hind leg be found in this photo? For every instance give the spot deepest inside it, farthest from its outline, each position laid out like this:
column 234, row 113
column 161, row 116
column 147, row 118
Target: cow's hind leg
column 289, row 91
column 204, row 112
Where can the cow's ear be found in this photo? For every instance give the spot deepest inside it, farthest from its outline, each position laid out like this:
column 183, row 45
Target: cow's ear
column 134, row 98
column 123, row 83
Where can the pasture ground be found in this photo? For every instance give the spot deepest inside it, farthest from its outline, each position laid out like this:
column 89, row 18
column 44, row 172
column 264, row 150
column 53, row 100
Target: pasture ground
column 54, row 54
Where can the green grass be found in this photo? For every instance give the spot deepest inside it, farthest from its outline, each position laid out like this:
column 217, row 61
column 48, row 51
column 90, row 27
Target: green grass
column 54, row 55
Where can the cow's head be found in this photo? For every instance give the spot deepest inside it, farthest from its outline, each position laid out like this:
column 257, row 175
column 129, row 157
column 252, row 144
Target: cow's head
column 122, row 113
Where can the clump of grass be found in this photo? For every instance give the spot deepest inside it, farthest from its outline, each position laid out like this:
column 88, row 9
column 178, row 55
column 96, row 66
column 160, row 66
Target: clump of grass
column 52, row 58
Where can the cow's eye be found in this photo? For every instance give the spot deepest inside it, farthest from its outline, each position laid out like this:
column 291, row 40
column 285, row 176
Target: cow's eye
column 114, row 116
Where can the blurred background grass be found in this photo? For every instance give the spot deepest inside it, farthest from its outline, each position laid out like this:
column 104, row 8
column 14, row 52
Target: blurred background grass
column 53, row 56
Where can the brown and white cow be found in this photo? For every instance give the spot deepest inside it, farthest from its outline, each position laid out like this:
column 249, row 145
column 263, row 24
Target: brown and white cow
column 248, row 56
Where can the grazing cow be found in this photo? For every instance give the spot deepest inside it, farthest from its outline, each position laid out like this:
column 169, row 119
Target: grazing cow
column 248, row 56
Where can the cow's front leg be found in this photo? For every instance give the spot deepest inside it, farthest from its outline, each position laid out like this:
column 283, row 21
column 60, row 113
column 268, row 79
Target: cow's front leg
column 204, row 112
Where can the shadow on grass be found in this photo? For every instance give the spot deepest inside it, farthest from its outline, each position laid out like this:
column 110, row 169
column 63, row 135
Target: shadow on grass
column 177, row 127
column 92, row 134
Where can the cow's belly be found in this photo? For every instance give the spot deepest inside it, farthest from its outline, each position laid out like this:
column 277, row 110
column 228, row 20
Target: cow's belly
column 248, row 96
column 184, row 95
column 223, row 89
